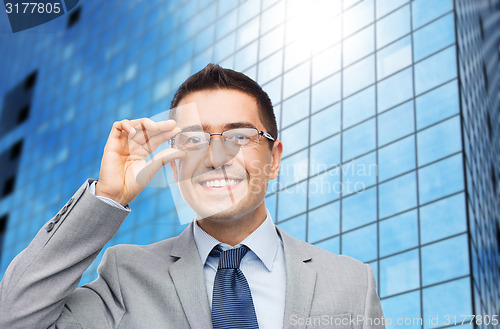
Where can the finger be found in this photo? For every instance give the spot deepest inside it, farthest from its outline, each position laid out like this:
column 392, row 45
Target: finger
column 150, row 145
column 146, row 173
column 152, row 127
column 122, row 126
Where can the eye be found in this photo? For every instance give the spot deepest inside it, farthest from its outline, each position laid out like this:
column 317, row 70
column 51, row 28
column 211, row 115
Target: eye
column 193, row 140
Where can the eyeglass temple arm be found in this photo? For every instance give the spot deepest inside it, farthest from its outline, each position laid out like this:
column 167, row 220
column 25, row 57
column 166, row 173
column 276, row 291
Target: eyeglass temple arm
column 266, row 135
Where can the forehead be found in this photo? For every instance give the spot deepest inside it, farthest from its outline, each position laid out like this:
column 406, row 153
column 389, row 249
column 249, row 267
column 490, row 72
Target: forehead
column 215, row 109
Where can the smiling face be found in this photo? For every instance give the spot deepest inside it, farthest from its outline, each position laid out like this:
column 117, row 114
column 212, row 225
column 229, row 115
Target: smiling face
column 221, row 182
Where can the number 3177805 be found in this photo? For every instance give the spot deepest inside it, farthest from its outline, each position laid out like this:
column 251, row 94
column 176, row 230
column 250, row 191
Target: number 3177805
column 33, row 8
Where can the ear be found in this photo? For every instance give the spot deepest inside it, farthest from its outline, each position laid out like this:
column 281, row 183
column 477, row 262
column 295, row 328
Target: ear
column 173, row 166
column 276, row 153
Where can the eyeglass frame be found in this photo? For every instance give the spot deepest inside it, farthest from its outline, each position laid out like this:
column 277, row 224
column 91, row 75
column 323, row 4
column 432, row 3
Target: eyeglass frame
column 259, row 133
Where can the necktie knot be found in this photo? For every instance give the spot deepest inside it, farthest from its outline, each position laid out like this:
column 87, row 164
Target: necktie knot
column 229, row 258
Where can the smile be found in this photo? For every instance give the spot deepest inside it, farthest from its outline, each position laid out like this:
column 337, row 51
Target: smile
column 220, row 183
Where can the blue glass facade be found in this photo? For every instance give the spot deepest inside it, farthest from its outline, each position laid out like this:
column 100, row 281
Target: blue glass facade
column 386, row 109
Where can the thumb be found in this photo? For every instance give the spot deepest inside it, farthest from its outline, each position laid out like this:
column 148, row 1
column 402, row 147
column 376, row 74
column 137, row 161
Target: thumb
column 145, row 173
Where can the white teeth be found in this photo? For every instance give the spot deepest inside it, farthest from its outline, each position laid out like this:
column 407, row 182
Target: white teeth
column 219, row 183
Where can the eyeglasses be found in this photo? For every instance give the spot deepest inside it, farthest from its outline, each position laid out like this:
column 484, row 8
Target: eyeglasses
column 232, row 139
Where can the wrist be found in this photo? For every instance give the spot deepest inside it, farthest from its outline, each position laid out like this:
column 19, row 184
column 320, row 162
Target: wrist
column 98, row 192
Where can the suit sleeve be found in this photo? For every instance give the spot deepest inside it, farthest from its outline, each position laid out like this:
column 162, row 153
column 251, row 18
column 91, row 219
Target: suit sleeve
column 373, row 317
column 42, row 278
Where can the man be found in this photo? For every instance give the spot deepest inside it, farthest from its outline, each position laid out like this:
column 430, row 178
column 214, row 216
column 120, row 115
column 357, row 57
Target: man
column 230, row 268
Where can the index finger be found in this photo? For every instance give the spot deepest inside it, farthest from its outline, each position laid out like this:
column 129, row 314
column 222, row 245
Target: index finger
column 153, row 128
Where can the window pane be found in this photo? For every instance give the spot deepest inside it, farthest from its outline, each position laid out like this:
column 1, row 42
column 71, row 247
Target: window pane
column 272, row 17
column 439, row 141
column 359, row 75
column 324, row 222
column 358, row 140
column 293, row 169
column 393, row 26
column 442, row 218
column 398, row 233
column 395, row 123
column 331, row 245
column 406, row 306
column 296, row 79
column 396, row 158
column 437, row 104
column 395, row 90
column 440, row 179
column 273, row 89
column 434, row 37
column 271, row 42
column 359, row 174
column 424, row 11
column 248, row 33
column 397, row 195
column 399, row 273
column 324, row 188
column 326, row 92
column 296, row 53
column 359, row 209
column 446, row 299
column 224, row 47
column 358, row 45
column 326, row 63
column 270, row 67
column 325, row 123
column 435, row 70
column 384, row 6
column 394, row 58
column 359, row 107
column 292, row 201
column 445, row 260
column 295, row 137
column 295, row 108
column 246, row 57
column 226, row 24
column 296, row 227
column 358, row 16
column 324, row 155
column 361, row 244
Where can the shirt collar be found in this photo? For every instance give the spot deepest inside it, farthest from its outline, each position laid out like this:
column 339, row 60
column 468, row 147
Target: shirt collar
column 263, row 242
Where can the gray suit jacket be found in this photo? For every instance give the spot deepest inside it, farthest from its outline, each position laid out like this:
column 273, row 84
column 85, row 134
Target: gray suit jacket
column 162, row 285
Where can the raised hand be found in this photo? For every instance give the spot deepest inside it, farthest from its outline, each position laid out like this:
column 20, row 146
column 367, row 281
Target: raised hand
column 124, row 169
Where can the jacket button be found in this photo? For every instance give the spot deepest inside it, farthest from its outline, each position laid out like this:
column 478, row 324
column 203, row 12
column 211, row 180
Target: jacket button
column 50, row 227
column 64, row 209
column 57, row 218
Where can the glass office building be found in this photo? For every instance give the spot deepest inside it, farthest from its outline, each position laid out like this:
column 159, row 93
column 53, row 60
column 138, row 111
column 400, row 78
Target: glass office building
column 388, row 111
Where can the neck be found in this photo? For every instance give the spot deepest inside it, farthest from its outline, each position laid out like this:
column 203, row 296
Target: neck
column 234, row 230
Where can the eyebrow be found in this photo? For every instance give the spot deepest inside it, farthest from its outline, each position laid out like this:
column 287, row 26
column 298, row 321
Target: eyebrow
column 231, row 125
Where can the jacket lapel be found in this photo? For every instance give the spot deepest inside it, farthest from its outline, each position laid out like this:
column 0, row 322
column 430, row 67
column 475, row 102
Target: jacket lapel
column 189, row 280
column 300, row 279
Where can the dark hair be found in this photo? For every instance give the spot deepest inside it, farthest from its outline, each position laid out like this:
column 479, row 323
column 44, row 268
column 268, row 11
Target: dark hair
column 214, row 77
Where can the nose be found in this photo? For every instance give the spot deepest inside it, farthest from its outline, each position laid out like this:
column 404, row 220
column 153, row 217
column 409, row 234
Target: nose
column 219, row 154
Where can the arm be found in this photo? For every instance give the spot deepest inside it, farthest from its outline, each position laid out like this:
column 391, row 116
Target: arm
column 37, row 282
column 373, row 315
column 43, row 277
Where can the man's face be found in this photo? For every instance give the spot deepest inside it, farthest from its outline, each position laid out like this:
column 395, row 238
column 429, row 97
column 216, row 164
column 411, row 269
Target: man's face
column 222, row 182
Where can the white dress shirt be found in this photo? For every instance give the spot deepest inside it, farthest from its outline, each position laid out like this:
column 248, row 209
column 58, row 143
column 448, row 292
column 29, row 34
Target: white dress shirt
column 263, row 267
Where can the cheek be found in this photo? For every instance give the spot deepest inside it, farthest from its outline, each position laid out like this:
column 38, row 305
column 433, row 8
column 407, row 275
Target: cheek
column 257, row 166
column 186, row 168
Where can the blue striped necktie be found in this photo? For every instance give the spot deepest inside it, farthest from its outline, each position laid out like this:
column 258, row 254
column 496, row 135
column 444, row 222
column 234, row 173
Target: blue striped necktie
column 232, row 305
